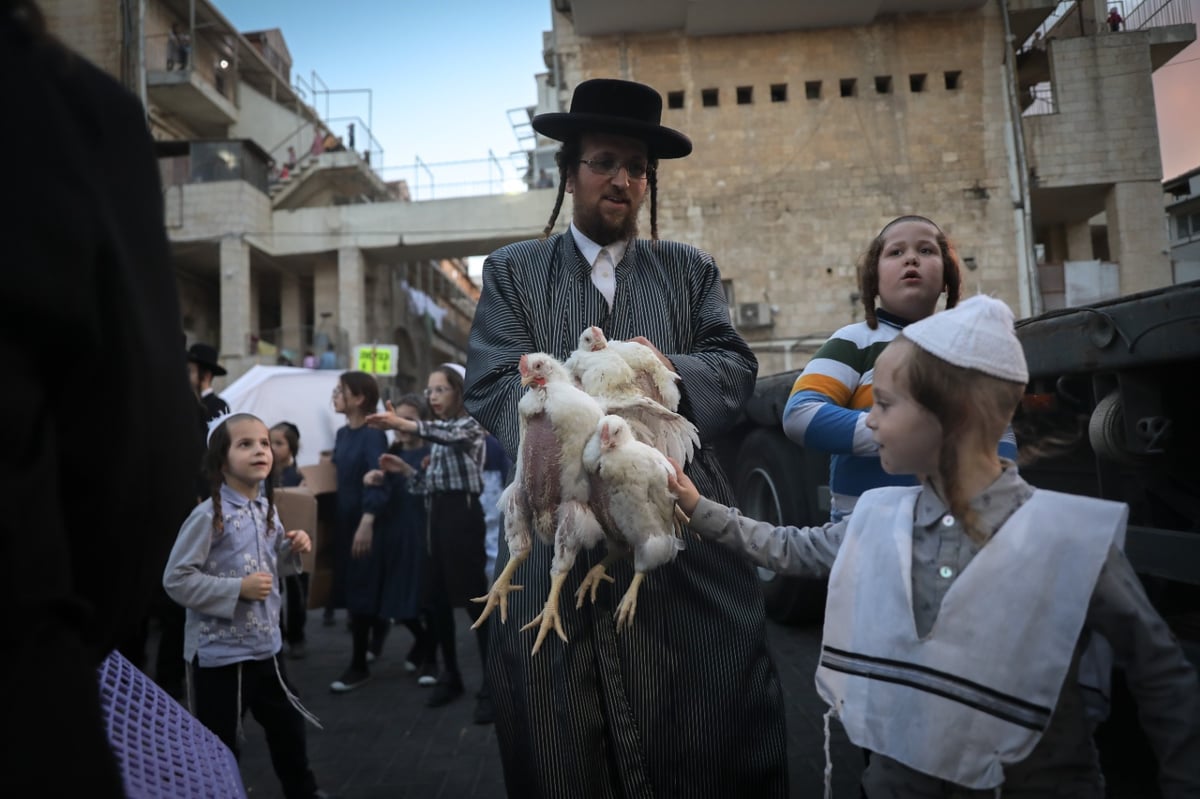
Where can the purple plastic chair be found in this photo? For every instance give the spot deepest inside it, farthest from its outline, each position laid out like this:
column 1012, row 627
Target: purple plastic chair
column 162, row 749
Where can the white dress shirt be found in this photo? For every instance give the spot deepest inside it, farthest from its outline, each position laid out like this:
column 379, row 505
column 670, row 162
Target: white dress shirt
column 603, row 261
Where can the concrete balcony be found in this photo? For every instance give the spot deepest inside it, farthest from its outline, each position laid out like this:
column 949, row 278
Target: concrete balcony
column 186, row 94
column 332, row 178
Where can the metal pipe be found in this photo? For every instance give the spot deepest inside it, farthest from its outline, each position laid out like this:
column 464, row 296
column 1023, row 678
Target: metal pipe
column 1030, row 298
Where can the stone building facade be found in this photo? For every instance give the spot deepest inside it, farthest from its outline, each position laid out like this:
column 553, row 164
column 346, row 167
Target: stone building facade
column 815, row 124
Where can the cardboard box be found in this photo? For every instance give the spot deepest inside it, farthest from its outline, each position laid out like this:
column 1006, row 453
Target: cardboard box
column 320, row 478
column 298, row 511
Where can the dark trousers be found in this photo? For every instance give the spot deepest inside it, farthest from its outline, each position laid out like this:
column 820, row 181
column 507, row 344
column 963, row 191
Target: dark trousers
column 169, row 665
column 295, row 592
column 217, row 708
column 455, row 571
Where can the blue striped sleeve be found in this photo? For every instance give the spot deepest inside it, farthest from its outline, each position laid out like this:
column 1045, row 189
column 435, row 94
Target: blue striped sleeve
column 812, row 419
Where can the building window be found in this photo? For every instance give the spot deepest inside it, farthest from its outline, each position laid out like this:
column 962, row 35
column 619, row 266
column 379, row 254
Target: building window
column 848, row 87
column 812, row 89
column 883, row 84
column 708, row 98
column 916, row 83
column 674, row 99
column 779, row 92
column 953, row 80
column 745, row 95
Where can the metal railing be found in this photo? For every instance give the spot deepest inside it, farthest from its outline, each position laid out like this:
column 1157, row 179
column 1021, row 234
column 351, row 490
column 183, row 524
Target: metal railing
column 1065, row 21
column 467, row 178
column 1159, row 14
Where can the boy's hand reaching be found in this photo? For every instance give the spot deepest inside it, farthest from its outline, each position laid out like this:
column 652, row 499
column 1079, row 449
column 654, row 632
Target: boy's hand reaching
column 301, row 543
column 686, row 495
column 256, row 587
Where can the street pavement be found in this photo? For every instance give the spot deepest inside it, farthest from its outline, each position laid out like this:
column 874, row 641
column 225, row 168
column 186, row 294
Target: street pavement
column 381, row 741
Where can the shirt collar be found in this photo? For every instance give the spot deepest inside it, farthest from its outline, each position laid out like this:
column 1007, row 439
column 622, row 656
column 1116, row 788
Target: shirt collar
column 992, row 507
column 591, row 250
column 206, row 392
column 891, row 319
column 231, row 497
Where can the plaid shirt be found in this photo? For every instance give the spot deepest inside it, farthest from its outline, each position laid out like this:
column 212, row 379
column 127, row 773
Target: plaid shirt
column 455, row 457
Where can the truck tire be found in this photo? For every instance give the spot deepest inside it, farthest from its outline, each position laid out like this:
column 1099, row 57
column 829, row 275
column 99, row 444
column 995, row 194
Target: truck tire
column 777, row 482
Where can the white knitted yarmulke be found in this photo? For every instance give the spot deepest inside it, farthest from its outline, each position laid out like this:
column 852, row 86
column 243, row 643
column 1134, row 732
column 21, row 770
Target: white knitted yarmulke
column 976, row 334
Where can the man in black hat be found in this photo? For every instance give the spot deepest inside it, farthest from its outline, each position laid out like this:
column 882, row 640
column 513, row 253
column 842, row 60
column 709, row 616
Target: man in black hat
column 685, row 702
column 202, row 368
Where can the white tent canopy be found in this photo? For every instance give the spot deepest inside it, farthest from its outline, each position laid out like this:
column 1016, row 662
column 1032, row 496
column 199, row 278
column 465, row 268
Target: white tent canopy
column 289, row 394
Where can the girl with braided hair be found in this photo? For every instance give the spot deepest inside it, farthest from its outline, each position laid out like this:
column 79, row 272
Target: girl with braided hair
column 901, row 276
column 224, row 570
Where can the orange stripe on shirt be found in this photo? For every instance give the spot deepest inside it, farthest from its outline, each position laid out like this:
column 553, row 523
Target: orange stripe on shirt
column 836, row 390
column 863, row 398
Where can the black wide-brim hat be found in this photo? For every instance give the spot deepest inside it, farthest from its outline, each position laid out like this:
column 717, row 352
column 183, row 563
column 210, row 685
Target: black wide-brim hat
column 621, row 107
column 206, row 356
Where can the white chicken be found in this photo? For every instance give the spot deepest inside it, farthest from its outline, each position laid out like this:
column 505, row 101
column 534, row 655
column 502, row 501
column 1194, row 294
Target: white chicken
column 630, row 496
column 550, row 489
column 630, row 381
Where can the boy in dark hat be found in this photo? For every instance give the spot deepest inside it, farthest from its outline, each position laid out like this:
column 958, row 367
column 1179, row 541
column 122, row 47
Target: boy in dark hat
column 685, row 702
column 202, row 368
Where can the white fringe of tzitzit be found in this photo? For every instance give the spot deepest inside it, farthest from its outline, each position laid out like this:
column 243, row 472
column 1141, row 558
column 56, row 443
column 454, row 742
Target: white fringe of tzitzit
column 828, row 758
column 829, row 762
column 293, row 699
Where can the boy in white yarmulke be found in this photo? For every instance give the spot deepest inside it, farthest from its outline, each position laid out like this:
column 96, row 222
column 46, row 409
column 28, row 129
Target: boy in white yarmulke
column 968, row 678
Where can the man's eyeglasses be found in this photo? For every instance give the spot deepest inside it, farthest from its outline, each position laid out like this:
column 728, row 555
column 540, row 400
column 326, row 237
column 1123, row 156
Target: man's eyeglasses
column 609, row 167
column 437, row 391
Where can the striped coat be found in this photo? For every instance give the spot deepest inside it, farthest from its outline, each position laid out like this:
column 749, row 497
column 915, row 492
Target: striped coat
column 688, row 702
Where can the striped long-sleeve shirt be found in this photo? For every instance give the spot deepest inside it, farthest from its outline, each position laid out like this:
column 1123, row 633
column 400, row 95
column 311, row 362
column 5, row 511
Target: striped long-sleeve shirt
column 828, row 408
column 685, row 702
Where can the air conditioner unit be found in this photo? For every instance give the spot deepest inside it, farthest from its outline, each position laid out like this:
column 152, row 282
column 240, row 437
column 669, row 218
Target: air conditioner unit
column 754, row 314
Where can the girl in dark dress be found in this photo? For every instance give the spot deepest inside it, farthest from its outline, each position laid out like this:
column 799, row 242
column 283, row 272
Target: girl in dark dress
column 285, row 446
column 356, row 451
column 400, row 529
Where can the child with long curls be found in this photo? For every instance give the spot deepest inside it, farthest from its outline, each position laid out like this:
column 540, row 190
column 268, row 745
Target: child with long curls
column 901, row 277
column 224, row 569
column 285, row 446
column 959, row 609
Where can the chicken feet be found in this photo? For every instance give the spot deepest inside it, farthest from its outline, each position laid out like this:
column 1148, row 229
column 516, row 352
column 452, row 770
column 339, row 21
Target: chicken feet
column 498, row 594
column 549, row 617
column 628, row 604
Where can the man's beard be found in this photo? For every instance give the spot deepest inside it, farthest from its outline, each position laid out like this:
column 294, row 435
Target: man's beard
column 596, row 227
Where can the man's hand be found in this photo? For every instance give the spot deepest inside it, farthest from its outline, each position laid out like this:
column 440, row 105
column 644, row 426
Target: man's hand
column 647, row 342
column 256, row 587
column 373, row 478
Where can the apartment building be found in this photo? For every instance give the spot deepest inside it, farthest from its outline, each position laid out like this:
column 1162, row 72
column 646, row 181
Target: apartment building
column 246, row 167
column 1025, row 128
column 1183, row 224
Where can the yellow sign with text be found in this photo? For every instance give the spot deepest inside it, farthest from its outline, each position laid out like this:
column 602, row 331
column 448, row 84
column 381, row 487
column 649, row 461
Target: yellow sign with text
column 375, row 359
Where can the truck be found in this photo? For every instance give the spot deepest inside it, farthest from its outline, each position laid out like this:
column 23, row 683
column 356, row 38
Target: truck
column 1108, row 410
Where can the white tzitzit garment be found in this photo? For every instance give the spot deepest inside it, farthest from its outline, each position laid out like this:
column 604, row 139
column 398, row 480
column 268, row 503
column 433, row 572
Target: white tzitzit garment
column 989, row 671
